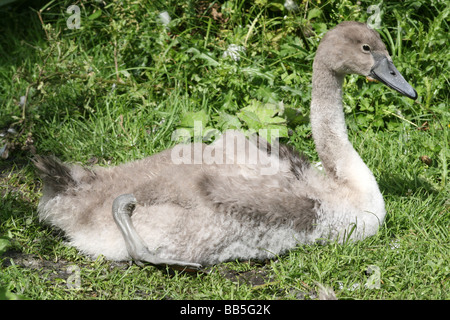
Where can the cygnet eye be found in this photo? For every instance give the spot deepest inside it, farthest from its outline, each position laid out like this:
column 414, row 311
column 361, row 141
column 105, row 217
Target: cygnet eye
column 366, row 48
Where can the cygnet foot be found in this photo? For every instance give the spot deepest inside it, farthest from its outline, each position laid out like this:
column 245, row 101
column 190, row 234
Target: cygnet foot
column 122, row 209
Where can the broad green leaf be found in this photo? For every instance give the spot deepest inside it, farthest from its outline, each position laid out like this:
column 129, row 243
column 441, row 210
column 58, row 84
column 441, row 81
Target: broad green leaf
column 273, row 6
column 4, row 245
column 273, row 132
column 320, row 28
column 277, row 120
column 203, row 56
column 95, row 15
column 250, row 118
column 314, row 13
column 227, row 121
column 295, row 117
column 190, row 118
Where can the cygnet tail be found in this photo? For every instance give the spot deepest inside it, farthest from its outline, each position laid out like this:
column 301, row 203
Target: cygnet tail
column 58, row 176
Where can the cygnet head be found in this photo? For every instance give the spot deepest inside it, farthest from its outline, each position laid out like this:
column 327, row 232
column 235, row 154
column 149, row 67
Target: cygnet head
column 354, row 48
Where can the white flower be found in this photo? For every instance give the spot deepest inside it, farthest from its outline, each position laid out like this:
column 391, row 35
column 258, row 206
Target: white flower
column 319, row 166
column 22, row 100
column 352, row 288
column 395, row 244
column 164, row 18
column 233, row 51
column 290, row 5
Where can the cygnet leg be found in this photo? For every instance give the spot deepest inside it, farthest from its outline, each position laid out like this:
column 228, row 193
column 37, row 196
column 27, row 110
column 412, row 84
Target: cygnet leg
column 123, row 207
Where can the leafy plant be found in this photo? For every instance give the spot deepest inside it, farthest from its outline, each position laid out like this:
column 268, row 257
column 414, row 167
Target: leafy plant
column 264, row 119
column 4, row 244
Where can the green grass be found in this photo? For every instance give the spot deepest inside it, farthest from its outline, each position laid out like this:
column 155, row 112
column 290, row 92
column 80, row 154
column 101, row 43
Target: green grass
column 117, row 88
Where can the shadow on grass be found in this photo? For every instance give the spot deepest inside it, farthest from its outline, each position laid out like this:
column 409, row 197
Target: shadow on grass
column 398, row 185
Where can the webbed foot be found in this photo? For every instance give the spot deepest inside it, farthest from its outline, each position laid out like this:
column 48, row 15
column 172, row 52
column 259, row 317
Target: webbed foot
column 122, row 209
